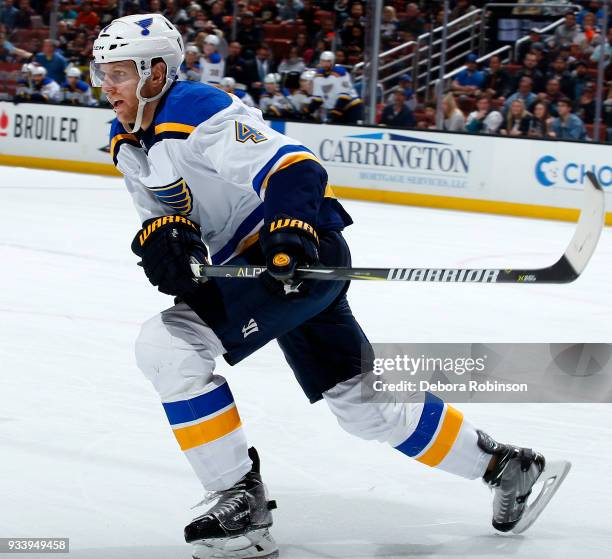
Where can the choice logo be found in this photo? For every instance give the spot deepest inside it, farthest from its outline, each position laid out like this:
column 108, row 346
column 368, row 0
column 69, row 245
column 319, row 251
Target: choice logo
column 549, row 171
column 4, row 122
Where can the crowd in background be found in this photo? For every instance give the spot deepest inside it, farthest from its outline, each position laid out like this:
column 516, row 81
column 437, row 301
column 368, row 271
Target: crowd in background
column 271, row 56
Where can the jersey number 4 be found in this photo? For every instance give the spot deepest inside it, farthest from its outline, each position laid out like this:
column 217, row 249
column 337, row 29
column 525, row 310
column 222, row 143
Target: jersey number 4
column 245, row 133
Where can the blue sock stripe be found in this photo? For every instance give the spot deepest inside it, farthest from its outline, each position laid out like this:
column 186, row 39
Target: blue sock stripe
column 426, row 428
column 200, row 406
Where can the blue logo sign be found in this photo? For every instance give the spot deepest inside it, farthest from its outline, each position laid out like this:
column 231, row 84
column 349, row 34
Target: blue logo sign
column 547, row 170
column 145, row 24
column 550, row 172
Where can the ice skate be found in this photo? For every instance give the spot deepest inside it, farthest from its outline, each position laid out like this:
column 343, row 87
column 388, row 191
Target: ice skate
column 236, row 523
column 513, row 477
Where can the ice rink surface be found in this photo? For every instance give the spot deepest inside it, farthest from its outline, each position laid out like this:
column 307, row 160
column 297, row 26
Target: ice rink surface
column 86, row 452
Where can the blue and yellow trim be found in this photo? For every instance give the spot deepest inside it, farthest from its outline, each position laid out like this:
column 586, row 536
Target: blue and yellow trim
column 435, row 434
column 177, row 130
column 118, row 140
column 242, row 238
column 214, row 413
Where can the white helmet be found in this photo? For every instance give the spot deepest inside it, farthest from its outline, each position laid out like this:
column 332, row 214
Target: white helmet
column 39, row 71
column 327, row 56
column 212, row 39
column 308, row 75
column 140, row 38
column 228, row 82
column 27, row 68
column 73, row 72
column 271, row 78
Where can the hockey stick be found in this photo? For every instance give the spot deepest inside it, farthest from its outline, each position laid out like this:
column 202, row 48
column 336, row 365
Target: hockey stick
column 565, row 270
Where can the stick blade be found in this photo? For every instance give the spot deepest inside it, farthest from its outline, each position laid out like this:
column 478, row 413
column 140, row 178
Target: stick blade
column 590, row 225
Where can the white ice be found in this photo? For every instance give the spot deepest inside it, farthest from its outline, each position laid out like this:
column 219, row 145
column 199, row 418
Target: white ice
column 86, row 453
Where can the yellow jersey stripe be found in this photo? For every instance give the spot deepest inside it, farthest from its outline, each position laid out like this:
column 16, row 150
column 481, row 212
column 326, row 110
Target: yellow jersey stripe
column 119, row 137
column 287, row 161
column 174, row 127
column 208, row 430
column 445, row 439
column 329, row 192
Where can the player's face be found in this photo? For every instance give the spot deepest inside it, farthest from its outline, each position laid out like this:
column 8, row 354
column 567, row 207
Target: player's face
column 270, row 87
column 306, row 85
column 119, row 82
column 325, row 64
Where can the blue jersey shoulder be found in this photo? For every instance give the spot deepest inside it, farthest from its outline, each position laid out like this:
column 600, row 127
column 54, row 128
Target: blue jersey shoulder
column 192, row 103
column 214, row 58
column 340, row 70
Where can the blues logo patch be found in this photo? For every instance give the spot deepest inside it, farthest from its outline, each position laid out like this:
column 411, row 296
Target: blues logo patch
column 145, row 24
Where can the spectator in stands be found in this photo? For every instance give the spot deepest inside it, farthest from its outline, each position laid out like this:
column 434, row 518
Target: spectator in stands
column 173, row 12
column 585, row 106
column 23, row 19
column 517, row 120
column 541, row 55
column 87, row 17
column 191, row 69
column 470, row 80
column 485, row 119
column 229, row 84
column 67, row 11
column 552, row 94
column 566, row 33
column 535, row 37
column 428, row 118
column 235, row 63
column 530, row 69
column 306, row 51
column 249, row 35
column 307, row 16
column 558, row 70
column 592, row 6
column 257, row 69
column 44, row 89
column 463, row 7
column 590, row 35
column 289, row 9
column 74, row 91
column 606, row 48
column 8, row 14
column 9, row 52
column 293, row 62
column 108, row 13
column 52, row 61
column 541, row 122
column 581, row 78
column 453, row 118
column 524, row 94
column 397, row 113
column 567, row 126
column 412, row 21
column 498, row 82
column 389, row 25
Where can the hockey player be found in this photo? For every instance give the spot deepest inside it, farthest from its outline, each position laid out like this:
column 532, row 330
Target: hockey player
column 24, row 83
column 191, row 69
column 333, row 89
column 211, row 181
column 74, row 91
column 229, row 85
column 273, row 102
column 44, row 89
column 213, row 65
column 302, row 97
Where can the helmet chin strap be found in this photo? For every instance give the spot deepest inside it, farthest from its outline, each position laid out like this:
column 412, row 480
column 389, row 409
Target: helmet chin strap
column 142, row 101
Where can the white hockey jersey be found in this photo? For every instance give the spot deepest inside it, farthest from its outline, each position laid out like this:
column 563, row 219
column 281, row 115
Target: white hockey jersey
column 330, row 86
column 208, row 156
column 213, row 68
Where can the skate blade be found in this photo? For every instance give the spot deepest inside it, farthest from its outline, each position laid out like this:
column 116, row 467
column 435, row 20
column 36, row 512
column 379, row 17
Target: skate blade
column 257, row 544
column 550, row 479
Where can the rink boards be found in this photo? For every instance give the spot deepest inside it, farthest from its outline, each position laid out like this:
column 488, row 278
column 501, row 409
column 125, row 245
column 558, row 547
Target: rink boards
column 511, row 176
